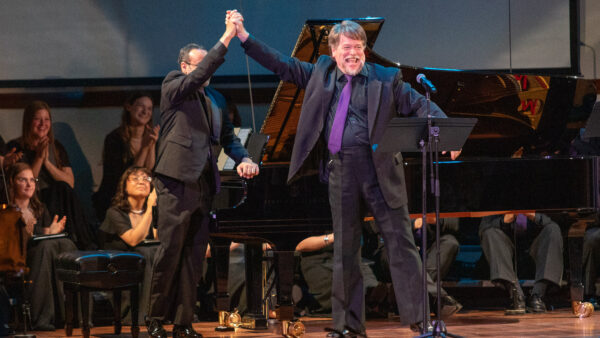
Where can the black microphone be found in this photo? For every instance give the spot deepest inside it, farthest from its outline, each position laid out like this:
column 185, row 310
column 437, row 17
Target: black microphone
column 426, row 83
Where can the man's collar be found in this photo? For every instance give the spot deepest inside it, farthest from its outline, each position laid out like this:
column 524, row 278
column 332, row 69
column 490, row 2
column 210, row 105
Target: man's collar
column 363, row 72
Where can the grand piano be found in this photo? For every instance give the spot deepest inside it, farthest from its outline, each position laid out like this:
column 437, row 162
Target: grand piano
column 516, row 159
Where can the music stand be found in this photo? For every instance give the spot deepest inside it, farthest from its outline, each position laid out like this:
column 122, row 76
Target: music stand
column 428, row 135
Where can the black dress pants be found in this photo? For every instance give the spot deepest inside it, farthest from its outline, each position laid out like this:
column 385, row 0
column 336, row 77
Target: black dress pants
column 546, row 251
column 183, row 222
column 352, row 185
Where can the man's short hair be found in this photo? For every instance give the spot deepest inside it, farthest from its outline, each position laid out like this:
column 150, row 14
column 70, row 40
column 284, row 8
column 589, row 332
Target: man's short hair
column 348, row 28
column 184, row 52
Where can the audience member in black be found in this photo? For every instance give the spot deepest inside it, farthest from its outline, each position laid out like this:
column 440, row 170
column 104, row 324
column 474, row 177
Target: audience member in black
column 544, row 240
column 46, row 293
column 50, row 164
column 316, row 265
column 448, row 250
column 129, row 222
column 132, row 143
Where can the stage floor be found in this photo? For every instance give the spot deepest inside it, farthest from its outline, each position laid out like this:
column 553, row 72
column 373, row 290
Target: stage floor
column 558, row 323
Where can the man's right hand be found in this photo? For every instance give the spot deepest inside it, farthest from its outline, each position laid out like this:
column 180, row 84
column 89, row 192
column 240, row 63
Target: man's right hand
column 237, row 18
column 230, row 31
column 509, row 218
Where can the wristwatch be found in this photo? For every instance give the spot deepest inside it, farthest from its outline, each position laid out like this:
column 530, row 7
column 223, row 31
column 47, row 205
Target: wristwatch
column 326, row 239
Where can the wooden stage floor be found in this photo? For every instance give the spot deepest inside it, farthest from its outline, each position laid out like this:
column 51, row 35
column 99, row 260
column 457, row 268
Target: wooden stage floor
column 557, row 323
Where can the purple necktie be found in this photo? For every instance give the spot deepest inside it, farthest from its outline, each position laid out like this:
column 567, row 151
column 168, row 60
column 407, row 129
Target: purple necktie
column 337, row 129
column 521, row 223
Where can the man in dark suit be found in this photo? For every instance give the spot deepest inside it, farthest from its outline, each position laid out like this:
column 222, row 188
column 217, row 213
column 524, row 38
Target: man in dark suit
column 186, row 180
column 347, row 105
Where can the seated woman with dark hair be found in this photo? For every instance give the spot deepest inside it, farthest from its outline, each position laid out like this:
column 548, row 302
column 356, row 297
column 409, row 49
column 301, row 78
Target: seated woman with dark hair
column 132, row 143
column 50, row 164
column 46, row 294
column 129, row 222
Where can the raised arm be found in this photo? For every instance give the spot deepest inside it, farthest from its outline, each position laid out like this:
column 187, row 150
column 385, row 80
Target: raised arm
column 287, row 68
column 179, row 85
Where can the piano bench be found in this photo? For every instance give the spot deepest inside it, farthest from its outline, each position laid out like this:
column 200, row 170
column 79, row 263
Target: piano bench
column 86, row 271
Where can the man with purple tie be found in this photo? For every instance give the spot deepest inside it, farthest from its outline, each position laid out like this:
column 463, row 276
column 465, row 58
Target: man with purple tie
column 347, row 105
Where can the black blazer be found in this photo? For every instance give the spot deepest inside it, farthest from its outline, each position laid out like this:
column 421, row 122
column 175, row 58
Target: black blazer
column 388, row 97
column 185, row 134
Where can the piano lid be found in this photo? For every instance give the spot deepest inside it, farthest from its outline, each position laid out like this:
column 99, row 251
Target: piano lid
column 532, row 114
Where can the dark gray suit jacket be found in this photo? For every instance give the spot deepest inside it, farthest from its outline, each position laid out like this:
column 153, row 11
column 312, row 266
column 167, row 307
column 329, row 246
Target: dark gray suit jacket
column 388, row 97
column 185, row 134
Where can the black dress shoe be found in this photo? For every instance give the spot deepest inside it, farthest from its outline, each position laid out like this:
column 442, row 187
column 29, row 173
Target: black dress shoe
column 517, row 306
column 347, row 333
column 535, row 304
column 418, row 327
column 450, row 306
column 333, row 333
column 352, row 333
column 155, row 329
column 181, row 331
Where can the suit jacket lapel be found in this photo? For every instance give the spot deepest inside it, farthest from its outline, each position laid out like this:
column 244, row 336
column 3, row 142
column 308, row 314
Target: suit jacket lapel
column 329, row 89
column 374, row 96
column 214, row 118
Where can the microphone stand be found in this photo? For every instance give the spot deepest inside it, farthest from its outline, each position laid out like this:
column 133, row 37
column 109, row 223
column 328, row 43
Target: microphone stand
column 433, row 132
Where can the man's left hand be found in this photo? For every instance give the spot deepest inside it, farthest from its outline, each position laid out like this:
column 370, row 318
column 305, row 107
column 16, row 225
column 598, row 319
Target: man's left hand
column 453, row 154
column 247, row 169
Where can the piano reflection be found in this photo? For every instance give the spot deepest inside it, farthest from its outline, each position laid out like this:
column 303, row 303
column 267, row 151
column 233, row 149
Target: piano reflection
column 526, row 123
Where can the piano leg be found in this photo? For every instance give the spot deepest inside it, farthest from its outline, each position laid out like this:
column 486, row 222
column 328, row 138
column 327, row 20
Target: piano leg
column 220, row 253
column 575, row 245
column 255, row 318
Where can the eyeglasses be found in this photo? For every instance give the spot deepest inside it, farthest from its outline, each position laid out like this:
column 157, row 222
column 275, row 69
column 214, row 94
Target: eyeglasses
column 24, row 180
column 139, row 179
column 196, row 65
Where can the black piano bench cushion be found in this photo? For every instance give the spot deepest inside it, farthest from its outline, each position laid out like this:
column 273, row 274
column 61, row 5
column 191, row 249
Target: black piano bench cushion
column 104, row 269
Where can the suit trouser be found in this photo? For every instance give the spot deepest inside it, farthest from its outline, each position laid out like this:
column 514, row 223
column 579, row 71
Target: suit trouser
column 448, row 250
column 352, row 182
column 546, row 251
column 183, row 222
column 591, row 260
column 317, row 270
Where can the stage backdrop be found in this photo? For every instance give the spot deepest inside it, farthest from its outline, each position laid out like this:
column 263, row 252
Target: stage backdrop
column 140, row 38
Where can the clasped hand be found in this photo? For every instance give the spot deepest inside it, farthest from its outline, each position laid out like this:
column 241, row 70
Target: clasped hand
column 234, row 17
column 247, row 168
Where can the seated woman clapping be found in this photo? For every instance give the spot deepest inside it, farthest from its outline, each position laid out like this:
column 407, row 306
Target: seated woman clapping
column 129, row 222
column 50, row 165
column 46, row 294
column 133, row 143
